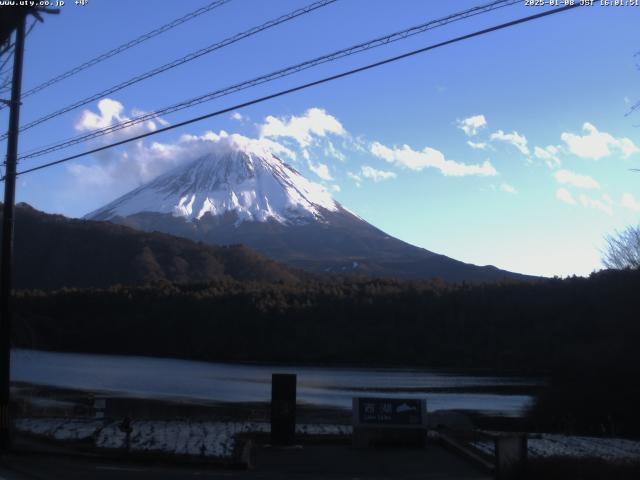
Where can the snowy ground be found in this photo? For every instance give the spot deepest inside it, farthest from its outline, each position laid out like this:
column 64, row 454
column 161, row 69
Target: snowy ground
column 217, row 439
column 207, row 439
column 552, row 445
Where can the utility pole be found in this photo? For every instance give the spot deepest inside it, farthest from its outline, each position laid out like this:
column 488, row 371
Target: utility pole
column 6, row 253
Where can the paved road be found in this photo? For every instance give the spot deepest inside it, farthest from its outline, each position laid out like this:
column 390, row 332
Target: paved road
column 334, row 461
column 310, row 463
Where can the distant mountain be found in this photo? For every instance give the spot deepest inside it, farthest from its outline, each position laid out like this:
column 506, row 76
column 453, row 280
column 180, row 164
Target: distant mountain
column 52, row 251
column 242, row 194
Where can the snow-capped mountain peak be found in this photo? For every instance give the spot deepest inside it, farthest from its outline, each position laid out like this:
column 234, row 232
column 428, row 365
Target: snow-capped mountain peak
column 238, row 191
column 252, row 183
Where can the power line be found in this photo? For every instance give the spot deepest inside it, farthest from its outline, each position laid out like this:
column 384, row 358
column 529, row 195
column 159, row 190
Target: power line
column 307, row 85
column 10, row 50
column 10, row 54
column 6, row 85
column 33, row 24
column 180, row 61
column 125, row 46
column 7, row 48
column 377, row 42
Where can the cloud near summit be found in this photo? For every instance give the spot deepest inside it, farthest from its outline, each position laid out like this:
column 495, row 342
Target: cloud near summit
column 138, row 162
column 316, row 137
column 315, row 122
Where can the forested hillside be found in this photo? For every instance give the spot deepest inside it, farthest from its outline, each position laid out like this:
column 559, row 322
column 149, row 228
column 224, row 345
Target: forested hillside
column 53, row 251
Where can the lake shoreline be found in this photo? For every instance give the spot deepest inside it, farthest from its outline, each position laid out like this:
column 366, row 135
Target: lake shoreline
column 328, row 365
column 184, row 380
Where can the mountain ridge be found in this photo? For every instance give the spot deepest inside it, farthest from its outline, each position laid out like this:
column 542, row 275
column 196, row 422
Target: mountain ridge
column 53, row 251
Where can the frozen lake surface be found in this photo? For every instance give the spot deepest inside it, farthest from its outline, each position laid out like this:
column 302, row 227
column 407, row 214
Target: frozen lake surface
column 171, row 379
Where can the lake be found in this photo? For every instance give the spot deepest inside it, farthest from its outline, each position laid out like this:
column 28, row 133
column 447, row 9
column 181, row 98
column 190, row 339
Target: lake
column 171, row 379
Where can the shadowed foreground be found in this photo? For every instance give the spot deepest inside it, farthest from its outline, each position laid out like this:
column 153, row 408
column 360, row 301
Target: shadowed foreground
column 310, row 462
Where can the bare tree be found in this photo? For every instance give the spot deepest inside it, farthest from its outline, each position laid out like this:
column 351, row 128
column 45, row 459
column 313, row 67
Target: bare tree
column 623, row 249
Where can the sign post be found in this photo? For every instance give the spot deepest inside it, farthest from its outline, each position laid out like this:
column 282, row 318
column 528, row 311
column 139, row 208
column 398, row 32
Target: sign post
column 386, row 421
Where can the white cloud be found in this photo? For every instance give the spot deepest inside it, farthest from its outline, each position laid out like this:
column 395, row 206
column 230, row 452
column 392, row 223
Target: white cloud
column 124, row 169
column 505, row 187
column 336, row 188
column 321, row 170
column 223, row 142
column 376, row 175
column 128, row 166
column 111, row 112
column 237, row 116
column 630, row 202
column 472, row 125
column 478, row 145
column 315, row 122
column 596, row 144
column 575, row 179
column 429, row 157
column 358, row 143
column 331, row 151
column 627, row 146
column 549, row 154
column 355, row 177
column 604, row 205
column 565, row 196
column 514, row 138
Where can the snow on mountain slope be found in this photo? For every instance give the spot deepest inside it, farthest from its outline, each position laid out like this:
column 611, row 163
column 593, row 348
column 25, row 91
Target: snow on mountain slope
column 244, row 179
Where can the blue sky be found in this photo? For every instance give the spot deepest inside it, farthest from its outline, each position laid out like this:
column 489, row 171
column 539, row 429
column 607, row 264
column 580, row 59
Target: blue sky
column 511, row 149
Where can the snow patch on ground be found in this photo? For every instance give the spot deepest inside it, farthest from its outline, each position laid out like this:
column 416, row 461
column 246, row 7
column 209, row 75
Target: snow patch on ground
column 208, row 439
column 554, row 445
column 59, row 429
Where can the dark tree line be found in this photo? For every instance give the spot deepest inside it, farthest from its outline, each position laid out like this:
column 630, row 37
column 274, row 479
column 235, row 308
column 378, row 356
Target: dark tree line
column 534, row 327
column 584, row 333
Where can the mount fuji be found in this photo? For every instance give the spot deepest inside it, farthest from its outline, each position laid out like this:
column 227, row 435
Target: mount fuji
column 241, row 193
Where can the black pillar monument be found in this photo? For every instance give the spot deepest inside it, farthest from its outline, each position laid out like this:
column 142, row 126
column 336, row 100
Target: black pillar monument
column 283, row 408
